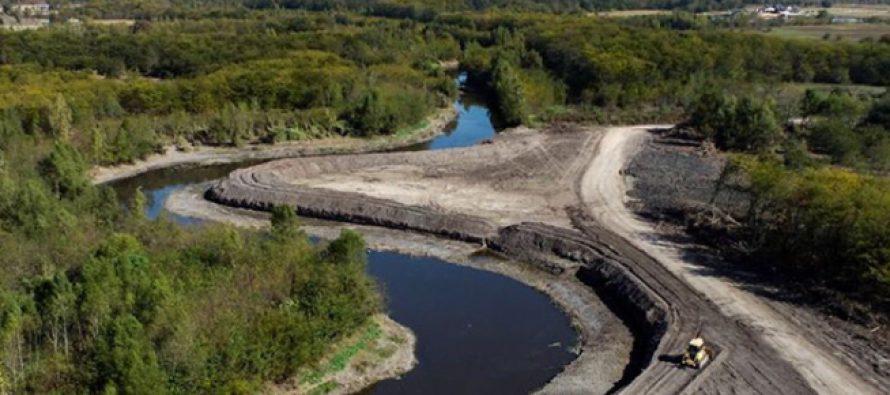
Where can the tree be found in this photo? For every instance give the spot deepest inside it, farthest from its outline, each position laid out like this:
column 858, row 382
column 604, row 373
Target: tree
column 59, row 118
column 97, row 145
column 742, row 124
column 285, row 223
column 348, row 249
column 139, row 206
column 11, row 358
column 880, row 113
column 369, row 116
column 510, row 94
column 65, row 171
column 126, row 362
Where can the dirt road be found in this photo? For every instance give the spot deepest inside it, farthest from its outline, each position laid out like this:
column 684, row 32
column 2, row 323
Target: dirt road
column 604, row 192
column 558, row 195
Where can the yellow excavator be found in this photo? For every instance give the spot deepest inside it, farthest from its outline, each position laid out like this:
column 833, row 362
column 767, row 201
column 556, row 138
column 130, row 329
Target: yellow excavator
column 697, row 354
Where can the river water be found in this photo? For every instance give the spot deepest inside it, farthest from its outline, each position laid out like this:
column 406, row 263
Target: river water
column 477, row 332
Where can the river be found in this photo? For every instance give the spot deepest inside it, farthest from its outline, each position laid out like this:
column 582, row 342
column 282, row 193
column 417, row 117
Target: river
column 477, row 332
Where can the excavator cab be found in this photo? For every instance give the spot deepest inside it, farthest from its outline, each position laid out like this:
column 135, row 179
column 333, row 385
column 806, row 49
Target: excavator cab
column 697, row 354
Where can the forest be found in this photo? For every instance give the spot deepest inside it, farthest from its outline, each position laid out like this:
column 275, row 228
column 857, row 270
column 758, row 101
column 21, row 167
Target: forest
column 96, row 298
column 123, row 93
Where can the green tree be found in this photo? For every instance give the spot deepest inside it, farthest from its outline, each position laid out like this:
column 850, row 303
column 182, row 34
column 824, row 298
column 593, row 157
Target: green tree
column 285, row 223
column 742, row 124
column 65, row 171
column 510, row 93
column 880, row 113
column 59, row 117
column 370, row 115
column 139, row 206
column 126, row 362
column 97, row 145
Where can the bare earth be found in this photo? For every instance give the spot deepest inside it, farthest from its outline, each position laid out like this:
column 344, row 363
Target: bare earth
column 556, row 198
column 604, row 192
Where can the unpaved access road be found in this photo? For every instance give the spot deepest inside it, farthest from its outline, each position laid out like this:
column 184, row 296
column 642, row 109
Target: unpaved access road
column 560, row 192
column 603, row 192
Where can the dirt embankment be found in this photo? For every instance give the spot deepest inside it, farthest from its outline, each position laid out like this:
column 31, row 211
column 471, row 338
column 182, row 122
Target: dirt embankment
column 172, row 157
column 525, row 176
column 562, row 191
column 832, row 355
column 604, row 341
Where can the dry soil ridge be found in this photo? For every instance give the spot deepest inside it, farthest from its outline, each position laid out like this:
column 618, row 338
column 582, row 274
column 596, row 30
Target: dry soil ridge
column 604, row 193
column 570, row 187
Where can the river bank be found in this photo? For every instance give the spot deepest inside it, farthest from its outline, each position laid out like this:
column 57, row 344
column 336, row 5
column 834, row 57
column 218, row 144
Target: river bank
column 605, row 342
column 381, row 350
column 203, row 155
column 472, row 126
column 556, row 198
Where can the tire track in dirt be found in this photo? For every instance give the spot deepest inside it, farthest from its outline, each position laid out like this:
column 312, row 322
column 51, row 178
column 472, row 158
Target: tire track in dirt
column 603, row 193
column 529, row 191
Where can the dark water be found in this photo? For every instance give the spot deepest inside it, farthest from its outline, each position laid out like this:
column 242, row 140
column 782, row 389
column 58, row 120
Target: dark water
column 478, row 332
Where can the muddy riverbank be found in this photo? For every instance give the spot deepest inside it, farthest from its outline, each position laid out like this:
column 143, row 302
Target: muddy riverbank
column 527, row 353
column 556, row 198
column 605, row 342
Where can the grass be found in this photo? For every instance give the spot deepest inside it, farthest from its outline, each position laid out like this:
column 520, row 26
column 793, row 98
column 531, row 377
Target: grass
column 854, row 10
column 324, row 388
column 341, row 357
column 848, row 31
column 411, row 130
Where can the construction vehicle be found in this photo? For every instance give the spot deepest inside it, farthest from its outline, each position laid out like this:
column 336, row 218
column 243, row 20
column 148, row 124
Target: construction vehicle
column 697, row 354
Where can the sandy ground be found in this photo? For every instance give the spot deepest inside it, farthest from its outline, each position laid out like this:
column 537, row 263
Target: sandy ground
column 523, row 176
column 216, row 155
column 604, row 341
column 390, row 355
column 604, row 192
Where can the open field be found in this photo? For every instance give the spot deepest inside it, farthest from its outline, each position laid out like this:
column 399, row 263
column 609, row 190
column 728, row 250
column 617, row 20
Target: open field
column 853, row 10
column 848, row 31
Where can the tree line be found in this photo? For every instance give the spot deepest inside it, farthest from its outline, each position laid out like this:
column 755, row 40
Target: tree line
column 227, row 83
column 818, row 196
column 606, row 70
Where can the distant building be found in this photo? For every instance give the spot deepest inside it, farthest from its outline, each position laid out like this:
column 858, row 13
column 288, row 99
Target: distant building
column 29, row 7
column 778, row 11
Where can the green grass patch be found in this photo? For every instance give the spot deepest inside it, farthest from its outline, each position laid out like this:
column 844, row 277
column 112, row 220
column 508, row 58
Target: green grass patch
column 324, row 388
column 411, row 130
column 834, row 32
column 342, row 357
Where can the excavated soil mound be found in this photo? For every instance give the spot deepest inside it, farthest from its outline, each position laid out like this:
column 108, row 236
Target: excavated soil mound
column 522, row 195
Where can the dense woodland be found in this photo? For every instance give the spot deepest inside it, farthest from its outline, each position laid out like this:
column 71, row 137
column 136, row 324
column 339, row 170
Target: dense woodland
column 96, row 298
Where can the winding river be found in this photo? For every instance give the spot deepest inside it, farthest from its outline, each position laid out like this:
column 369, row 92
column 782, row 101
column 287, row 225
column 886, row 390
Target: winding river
column 478, row 332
